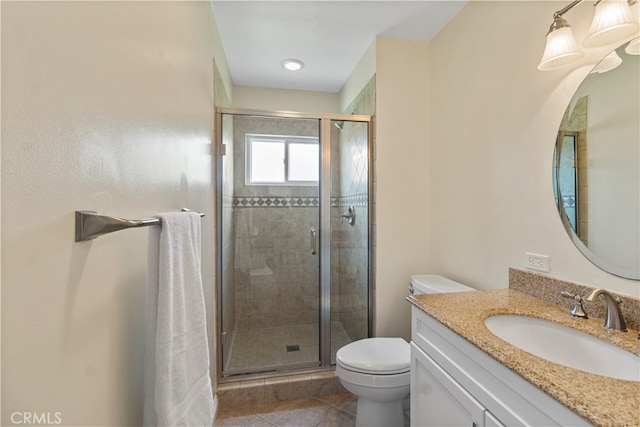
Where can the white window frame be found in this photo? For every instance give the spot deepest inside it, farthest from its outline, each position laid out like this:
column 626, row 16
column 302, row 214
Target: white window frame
column 286, row 140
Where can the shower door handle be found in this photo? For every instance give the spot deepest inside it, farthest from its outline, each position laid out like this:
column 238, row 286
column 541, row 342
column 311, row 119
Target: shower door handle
column 313, row 241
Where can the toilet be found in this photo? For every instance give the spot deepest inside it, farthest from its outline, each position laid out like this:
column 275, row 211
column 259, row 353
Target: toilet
column 377, row 370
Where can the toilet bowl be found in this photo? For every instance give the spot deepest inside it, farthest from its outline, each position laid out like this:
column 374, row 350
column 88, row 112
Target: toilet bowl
column 377, row 370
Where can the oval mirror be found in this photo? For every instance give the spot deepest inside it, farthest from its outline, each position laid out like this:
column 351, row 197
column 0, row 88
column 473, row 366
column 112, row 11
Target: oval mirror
column 596, row 175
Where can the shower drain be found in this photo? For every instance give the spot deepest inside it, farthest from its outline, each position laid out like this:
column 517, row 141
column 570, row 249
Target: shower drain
column 293, row 348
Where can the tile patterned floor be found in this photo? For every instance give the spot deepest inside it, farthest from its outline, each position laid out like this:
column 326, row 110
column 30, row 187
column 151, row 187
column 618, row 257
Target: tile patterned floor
column 327, row 411
column 267, row 347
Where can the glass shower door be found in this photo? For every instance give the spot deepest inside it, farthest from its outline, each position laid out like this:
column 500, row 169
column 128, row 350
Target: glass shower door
column 293, row 230
column 350, row 256
column 270, row 250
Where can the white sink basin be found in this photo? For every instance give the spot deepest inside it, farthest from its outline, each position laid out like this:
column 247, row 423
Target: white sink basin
column 566, row 346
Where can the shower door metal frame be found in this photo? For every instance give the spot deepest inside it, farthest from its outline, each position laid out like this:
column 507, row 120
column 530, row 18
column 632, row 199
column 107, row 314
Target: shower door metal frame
column 325, row 121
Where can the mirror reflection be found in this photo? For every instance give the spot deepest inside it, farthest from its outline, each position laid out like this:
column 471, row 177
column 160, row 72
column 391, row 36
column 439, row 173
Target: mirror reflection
column 597, row 166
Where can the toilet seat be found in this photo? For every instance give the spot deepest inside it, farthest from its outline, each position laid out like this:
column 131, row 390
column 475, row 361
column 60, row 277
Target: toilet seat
column 373, row 380
column 375, row 356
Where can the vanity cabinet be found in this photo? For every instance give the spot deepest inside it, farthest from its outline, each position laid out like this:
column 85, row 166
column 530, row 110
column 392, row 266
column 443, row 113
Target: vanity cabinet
column 439, row 400
column 454, row 383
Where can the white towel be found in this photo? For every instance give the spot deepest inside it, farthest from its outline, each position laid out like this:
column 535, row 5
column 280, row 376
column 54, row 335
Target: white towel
column 178, row 388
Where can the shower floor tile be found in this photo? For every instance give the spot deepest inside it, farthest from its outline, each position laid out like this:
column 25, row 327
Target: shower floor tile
column 252, row 349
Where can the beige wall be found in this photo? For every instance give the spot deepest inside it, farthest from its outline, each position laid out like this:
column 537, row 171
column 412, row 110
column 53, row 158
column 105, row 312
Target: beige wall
column 494, row 119
column 401, row 178
column 268, row 99
column 105, row 106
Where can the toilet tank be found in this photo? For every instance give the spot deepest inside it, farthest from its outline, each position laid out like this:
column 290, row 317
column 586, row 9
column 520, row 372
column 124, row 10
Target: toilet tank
column 434, row 284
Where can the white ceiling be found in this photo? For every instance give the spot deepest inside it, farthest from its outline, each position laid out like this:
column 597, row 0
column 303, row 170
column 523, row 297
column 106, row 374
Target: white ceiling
column 330, row 37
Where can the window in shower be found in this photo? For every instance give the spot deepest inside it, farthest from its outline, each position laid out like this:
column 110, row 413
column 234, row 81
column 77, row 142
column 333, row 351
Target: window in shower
column 282, row 160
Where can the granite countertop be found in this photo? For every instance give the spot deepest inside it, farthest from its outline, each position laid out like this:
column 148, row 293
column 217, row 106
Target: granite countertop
column 601, row 400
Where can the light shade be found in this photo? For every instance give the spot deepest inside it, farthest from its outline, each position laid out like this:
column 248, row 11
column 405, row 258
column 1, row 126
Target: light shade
column 610, row 62
column 612, row 22
column 561, row 50
column 633, row 48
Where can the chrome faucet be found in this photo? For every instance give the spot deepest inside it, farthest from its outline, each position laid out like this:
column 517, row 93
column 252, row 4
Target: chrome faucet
column 613, row 318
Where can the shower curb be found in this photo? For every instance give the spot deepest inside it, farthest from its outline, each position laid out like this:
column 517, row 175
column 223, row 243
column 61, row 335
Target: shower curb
column 278, row 389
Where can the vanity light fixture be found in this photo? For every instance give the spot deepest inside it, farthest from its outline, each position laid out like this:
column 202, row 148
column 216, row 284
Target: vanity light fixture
column 612, row 22
column 292, row 64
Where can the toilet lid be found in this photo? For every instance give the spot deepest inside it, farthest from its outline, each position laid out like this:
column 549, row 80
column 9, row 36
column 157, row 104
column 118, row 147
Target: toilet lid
column 376, row 356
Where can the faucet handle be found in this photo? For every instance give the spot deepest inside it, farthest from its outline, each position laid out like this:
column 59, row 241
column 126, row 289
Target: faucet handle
column 578, row 309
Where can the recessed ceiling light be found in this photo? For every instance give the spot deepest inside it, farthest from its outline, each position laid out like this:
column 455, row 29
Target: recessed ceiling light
column 292, row 64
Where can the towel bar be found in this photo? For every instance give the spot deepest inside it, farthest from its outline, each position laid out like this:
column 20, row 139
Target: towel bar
column 91, row 224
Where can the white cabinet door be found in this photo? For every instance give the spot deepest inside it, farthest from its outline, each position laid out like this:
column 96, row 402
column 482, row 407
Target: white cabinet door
column 437, row 400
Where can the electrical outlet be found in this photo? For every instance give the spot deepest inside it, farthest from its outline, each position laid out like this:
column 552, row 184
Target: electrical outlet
column 537, row 262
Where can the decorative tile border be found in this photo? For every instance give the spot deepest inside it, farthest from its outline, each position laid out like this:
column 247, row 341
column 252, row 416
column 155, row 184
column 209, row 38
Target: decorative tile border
column 275, row 202
column 354, row 200
column 297, row 202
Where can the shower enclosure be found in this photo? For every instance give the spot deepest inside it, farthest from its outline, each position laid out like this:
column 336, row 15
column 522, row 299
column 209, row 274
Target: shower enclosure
column 294, row 265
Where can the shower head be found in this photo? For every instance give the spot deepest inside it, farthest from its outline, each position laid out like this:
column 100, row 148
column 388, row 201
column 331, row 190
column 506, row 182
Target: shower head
column 339, row 124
